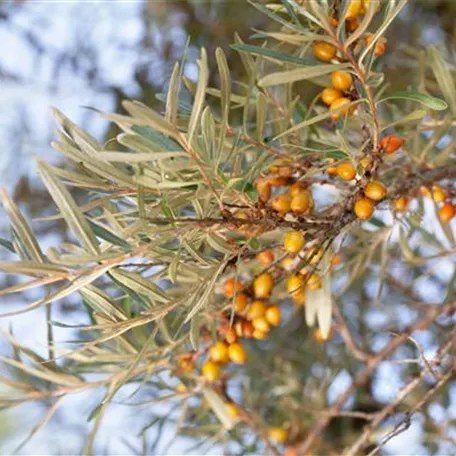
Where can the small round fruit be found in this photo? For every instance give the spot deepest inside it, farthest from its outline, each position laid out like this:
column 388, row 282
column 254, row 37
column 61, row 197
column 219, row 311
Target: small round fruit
column 338, row 104
column 273, row 315
column 278, row 435
column 293, row 241
column 330, row 95
column 261, row 324
column 186, row 364
column 262, row 285
column 380, row 45
column 324, row 51
column 334, row 21
column 230, row 336
column 391, row 143
column 341, row 80
column 287, row 263
column 332, row 170
column 181, row 389
column 346, row 170
column 232, row 410
column 211, row 371
column 295, row 284
column 335, row 260
column 401, row 203
column 301, row 202
column 299, row 298
column 352, row 25
column 296, row 188
column 247, row 329
column 281, row 203
column 231, row 286
column 447, row 212
column 375, row 190
column 266, row 257
column 263, row 189
column 259, row 335
column 257, row 309
column 438, row 194
column 314, row 282
column 353, row 9
column 276, row 181
column 219, row 353
column 364, row 208
column 241, row 302
column 237, row 353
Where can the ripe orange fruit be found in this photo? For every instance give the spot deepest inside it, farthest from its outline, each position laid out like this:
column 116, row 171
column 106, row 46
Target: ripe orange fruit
column 333, row 21
column 232, row 410
column 261, row 324
column 266, row 257
column 438, row 194
column 353, row 9
column 259, row 335
column 401, row 203
column 364, row 208
column 211, row 371
column 299, row 297
column 352, row 25
column 296, row 188
column 380, row 46
column 295, row 284
column 339, row 103
column 273, row 315
column 341, row 80
column 278, row 435
column 366, row 4
column 287, row 263
column 263, row 189
column 391, row 143
column 231, row 284
column 230, row 335
column 237, row 353
column 247, row 329
column 329, row 95
column 314, row 282
column 332, row 170
column 257, row 309
column 293, row 241
column 241, row 302
column 181, row 388
column 335, row 260
column 425, row 192
column 324, row 51
column 301, row 202
column 219, row 353
column 346, row 170
column 262, row 285
column 447, row 212
column 275, row 181
column 375, row 190
column 185, row 363
column 281, row 203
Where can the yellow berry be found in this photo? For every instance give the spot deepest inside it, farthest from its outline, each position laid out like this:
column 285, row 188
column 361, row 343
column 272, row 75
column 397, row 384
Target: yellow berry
column 266, row 257
column 232, row 410
column 181, row 388
column 380, row 45
column 324, row 51
column 314, row 282
column 364, row 208
column 262, row 285
column 295, row 284
column 301, row 202
column 259, row 335
column 339, row 103
column 287, row 263
column 293, row 241
column 447, row 212
column 401, row 203
column 230, row 335
column 219, row 353
column 281, row 204
column 353, row 9
column 237, row 353
column 346, row 170
column 261, row 324
column 329, row 95
column 278, row 435
column 211, row 371
column 241, row 302
column 263, row 189
column 231, row 286
column 273, row 315
column 375, row 190
column 299, row 297
column 257, row 309
column 341, row 80
column 438, row 194
column 185, row 363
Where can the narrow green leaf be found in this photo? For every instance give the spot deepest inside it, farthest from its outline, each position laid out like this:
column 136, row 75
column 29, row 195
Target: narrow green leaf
column 429, row 101
column 443, row 76
column 281, row 56
column 108, row 236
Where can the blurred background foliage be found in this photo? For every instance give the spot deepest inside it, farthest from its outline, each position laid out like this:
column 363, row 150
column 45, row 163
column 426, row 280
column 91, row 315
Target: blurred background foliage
column 74, row 54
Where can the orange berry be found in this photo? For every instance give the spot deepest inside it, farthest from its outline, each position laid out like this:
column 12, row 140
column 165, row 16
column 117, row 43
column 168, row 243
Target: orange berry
column 257, row 309
column 263, row 189
column 296, row 188
column 324, row 51
column 231, row 285
column 346, row 170
column 281, row 203
column 185, row 363
column 353, row 9
column 364, row 208
column 339, row 103
column 261, row 324
column 314, row 282
column 299, row 297
column 219, row 353
column 302, row 202
column 447, row 212
column 232, row 410
column 259, row 335
column 276, row 181
column 438, row 194
column 241, row 302
column 333, row 21
column 332, row 170
column 211, row 371
column 230, row 335
column 295, row 284
column 401, row 203
column 266, row 257
column 181, row 388
column 273, row 315
column 262, row 285
column 341, row 80
column 391, row 143
column 330, row 95
column 293, row 241
column 352, row 25
column 425, row 192
column 366, row 3
column 278, row 435
column 335, row 260
column 237, row 353
column 247, row 329
column 375, row 190
column 380, row 46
